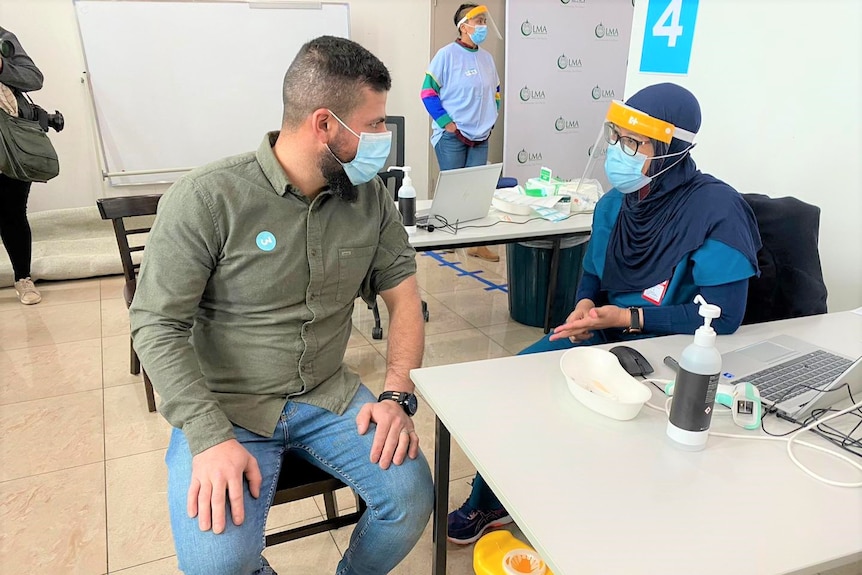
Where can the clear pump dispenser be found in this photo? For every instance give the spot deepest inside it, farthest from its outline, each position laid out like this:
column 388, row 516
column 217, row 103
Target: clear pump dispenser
column 407, row 200
column 696, row 384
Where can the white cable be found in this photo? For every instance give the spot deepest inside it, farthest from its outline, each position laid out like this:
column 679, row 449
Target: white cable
column 657, row 408
column 792, row 439
column 656, row 381
column 660, row 383
column 789, row 440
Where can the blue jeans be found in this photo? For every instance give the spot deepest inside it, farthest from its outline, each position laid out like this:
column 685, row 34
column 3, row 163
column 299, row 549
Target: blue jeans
column 399, row 499
column 452, row 153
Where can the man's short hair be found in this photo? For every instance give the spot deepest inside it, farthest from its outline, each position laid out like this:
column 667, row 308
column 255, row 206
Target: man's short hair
column 330, row 72
column 461, row 11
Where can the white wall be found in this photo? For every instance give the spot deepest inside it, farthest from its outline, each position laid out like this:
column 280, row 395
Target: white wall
column 780, row 83
column 397, row 31
column 48, row 32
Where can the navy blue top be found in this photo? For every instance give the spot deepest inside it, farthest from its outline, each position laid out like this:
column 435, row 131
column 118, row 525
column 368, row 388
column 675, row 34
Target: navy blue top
column 683, row 209
column 691, row 234
column 715, row 270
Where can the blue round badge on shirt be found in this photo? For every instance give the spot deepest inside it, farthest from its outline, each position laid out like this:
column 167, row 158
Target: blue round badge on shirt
column 265, row 241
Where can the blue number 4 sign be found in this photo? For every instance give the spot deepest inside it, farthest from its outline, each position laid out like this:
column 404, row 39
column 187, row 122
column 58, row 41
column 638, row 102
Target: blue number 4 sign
column 668, row 36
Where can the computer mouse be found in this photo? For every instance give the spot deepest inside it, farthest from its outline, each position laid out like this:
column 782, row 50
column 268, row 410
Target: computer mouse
column 632, row 360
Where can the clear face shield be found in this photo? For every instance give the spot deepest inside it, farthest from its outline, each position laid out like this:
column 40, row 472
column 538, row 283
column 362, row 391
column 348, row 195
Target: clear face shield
column 477, row 20
column 629, row 140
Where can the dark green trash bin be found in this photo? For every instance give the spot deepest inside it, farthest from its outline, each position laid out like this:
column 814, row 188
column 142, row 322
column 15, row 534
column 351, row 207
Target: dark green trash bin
column 529, row 268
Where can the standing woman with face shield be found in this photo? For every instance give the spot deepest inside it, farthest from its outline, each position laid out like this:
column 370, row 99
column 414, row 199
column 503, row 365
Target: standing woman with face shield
column 664, row 233
column 462, row 94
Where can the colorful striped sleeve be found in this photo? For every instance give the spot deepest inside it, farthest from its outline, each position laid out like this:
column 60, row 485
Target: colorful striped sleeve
column 431, row 100
column 497, row 97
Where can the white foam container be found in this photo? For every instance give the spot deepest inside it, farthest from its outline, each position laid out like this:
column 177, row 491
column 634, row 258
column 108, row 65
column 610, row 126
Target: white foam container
column 597, row 380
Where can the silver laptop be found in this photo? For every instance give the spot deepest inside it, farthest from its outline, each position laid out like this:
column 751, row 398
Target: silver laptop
column 794, row 376
column 462, row 195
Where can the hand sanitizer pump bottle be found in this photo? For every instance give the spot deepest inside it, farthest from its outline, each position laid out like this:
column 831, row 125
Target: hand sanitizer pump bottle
column 407, row 200
column 696, row 384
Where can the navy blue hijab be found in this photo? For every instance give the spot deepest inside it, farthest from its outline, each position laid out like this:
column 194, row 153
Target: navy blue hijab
column 683, row 208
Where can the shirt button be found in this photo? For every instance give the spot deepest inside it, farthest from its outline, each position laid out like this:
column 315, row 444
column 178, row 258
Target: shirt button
column 314, row 253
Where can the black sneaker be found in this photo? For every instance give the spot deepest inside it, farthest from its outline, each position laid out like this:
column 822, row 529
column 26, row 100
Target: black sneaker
column 467, row 525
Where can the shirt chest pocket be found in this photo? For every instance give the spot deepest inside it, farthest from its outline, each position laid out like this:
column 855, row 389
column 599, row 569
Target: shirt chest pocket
column 353, row 265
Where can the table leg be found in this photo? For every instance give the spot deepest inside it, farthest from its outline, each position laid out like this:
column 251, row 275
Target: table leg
column 442, row 449
column 552, row 283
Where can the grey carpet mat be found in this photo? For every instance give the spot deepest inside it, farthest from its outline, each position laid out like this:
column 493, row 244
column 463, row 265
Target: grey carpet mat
column 70, row 244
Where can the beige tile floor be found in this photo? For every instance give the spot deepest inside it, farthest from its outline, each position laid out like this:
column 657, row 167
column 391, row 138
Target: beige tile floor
column 82, row 479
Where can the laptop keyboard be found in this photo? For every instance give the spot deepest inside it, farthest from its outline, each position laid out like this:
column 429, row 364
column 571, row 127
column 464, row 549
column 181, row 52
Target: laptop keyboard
column 789, row 379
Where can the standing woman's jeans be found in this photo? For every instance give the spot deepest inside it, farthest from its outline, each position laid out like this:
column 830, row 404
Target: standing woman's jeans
column 452, row 153
column 14, row 227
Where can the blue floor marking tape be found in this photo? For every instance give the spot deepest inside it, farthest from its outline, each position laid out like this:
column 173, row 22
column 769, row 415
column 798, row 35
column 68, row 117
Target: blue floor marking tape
column 438, row 257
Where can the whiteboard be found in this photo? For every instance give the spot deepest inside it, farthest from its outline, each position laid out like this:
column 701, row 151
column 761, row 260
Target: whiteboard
column 181, row 84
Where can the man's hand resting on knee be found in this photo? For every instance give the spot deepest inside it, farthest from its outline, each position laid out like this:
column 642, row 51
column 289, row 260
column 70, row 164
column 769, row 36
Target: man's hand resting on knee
column 394, row 438
column 216, row 471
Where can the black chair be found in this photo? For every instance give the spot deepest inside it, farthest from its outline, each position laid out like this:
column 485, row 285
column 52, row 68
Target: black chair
column 299, row 478
column 118, row 210
column 791, row 279
column 393, row 179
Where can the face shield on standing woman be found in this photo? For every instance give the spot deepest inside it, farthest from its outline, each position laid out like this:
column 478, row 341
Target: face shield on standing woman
column 477, row 20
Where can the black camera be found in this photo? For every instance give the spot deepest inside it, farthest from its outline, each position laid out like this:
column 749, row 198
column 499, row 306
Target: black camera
column 40, row 114
column 47, row 120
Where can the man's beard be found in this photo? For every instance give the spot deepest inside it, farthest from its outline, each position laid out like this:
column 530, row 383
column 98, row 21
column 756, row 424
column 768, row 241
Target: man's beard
column 333, row 172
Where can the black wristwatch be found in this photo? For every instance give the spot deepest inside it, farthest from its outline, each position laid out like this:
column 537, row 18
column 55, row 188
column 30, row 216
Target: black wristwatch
column 635, row 325
column 406, row 400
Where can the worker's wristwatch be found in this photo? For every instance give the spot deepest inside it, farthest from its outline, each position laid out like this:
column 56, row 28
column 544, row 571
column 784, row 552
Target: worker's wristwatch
column 635, row 323
column 407, row 401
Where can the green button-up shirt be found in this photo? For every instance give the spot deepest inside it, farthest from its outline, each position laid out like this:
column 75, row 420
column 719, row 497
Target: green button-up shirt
column 246, row 292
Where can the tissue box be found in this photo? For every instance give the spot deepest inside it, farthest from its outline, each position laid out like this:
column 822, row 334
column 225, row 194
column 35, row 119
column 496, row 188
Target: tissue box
column 537, row 187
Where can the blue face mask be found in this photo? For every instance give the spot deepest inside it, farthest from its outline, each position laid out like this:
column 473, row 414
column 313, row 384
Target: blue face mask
column 371, row 155
column 479, row 34
column 625, row 173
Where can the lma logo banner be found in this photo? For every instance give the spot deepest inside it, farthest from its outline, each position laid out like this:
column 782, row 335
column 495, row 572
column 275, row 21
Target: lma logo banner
column 529, row 95
column 600, row 94
column 529, row 157
column 575, row 3
column 569, row 64
column 533, row 30
column 564, row 125
column 601, row 152
column 603, row 32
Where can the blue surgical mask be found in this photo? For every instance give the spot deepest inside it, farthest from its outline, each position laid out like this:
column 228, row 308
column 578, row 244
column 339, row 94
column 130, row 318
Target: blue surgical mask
column 371, row 154
column 625, row 173
column 479, row 34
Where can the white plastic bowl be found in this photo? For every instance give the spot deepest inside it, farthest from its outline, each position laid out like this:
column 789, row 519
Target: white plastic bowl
column 598, row 381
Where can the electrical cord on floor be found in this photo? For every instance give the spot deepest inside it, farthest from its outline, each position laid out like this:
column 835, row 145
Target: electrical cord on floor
column 790, row 438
